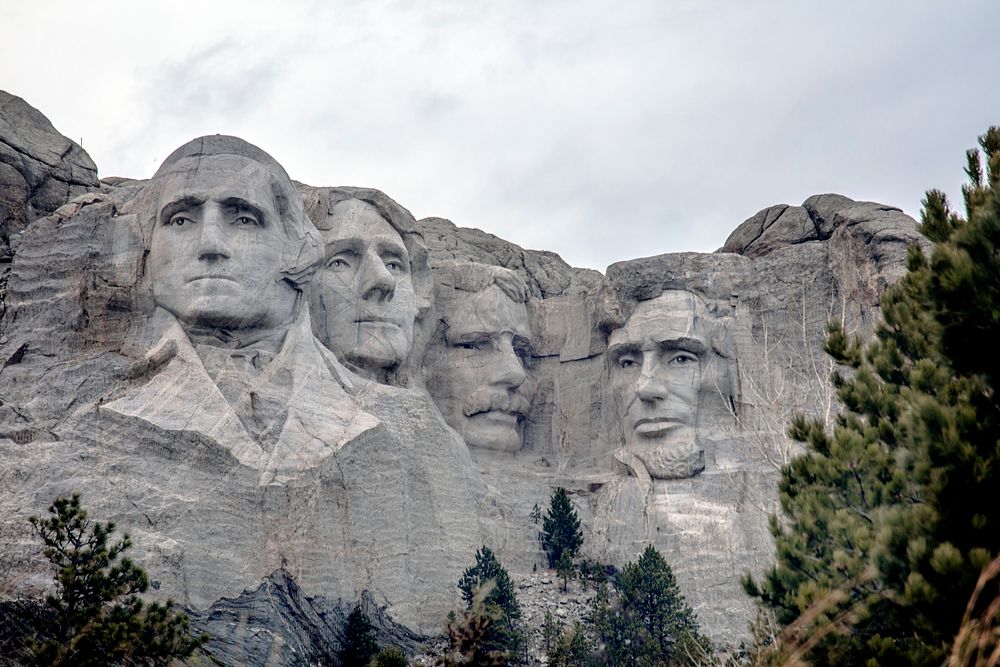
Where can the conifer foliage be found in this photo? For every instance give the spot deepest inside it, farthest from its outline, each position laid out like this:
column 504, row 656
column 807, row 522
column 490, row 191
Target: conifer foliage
column 650, row 623
column 500, row 603
column 561, row 528
column 359, row 645
column 892, row 516
column 99, row 618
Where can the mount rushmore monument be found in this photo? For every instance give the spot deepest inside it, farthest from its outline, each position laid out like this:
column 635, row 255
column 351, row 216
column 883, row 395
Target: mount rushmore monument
column 269, row 384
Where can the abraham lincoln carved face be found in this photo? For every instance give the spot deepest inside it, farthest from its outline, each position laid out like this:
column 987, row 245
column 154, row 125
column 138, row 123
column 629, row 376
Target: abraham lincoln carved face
column 658, row 364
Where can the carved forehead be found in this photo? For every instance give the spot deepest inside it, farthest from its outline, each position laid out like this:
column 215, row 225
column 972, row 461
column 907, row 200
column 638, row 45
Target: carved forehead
column 358, row 220
column 219, row 177
column 673, row 316
column 488, row 311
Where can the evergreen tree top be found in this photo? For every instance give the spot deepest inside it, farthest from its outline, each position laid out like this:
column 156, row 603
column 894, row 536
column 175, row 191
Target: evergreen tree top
column 892, row 515
column 561, row 527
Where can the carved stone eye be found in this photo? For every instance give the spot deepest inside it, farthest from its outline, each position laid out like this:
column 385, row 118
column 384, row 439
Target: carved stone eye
column 683, row 358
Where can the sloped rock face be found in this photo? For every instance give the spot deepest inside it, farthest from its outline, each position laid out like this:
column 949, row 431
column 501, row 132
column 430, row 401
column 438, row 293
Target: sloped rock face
column 269, row 483
column 40, row 170
column 276, row 624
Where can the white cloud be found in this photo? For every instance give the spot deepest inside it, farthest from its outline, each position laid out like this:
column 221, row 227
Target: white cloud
column 596, row 130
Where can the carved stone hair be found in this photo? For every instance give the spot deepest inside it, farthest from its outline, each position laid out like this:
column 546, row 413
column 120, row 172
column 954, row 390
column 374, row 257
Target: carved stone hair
column 299, row 262
column 474, row 277
column 320, row 204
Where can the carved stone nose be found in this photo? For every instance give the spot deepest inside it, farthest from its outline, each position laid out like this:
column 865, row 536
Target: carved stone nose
column 377, row 282
column 212, row 243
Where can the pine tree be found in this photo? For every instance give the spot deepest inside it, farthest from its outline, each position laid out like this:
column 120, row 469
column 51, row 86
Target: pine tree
column 359, row 645
column 650, row 623
column 471, row 638
column 561, row 528
column 570, row 648
column 565, row 568
column 391, row 656
column 501, row 601
column 890, row 517
column 99, row 618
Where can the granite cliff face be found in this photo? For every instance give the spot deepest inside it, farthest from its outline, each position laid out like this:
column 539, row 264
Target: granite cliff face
column 295, row 397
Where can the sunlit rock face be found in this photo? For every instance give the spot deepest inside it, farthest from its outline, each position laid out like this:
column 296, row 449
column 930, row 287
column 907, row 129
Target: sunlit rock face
column 189, row 399
column 303, row 390
column 228, row 251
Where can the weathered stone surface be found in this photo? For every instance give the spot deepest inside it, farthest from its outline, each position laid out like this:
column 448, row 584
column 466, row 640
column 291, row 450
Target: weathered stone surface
column 40, row 170
column 545, row 272
column 770, row 229
column 357, row 486
column 274, row 468
column 375, row 285
column 277, row 624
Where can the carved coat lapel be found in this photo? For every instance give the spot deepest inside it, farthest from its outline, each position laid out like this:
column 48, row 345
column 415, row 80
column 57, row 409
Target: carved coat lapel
column 322, row 414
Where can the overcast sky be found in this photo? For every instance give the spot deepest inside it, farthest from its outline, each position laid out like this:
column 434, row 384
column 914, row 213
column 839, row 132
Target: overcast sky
column 601, row 131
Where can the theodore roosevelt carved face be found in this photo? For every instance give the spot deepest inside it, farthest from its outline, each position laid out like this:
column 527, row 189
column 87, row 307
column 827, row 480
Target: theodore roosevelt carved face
column 476, row 363
column 658, row 364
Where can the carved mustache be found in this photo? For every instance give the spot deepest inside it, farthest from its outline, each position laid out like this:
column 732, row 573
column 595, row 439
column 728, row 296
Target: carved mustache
column 485, row 400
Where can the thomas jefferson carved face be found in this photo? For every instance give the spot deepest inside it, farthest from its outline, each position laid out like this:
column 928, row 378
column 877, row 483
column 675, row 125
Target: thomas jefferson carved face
column 362, row 300
column 478, row 377
column 657, row 363
column 218, row 244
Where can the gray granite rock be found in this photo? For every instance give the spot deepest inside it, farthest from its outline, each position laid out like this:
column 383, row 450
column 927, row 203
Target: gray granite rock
column 40, row 169
column 546, row 273
column 365, row 491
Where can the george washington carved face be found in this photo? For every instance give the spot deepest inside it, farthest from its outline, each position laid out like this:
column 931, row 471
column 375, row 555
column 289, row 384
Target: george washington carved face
column 216, row 249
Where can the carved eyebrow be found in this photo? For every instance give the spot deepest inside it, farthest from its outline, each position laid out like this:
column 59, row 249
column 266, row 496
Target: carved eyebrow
column 180, row 204
column 469, row 336
column 620, row 349
column 239, row 202
column 522, row 340
column 340, row 245
column 692, row 345
column 391, row 246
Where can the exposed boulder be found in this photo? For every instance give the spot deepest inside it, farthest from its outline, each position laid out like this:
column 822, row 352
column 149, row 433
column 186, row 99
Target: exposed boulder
column 40, row 169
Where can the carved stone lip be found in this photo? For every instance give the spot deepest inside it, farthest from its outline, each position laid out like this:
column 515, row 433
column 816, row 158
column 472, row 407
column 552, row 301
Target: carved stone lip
column 500, row 415
column 376, row 319
column 211, row 277
column 653, row 426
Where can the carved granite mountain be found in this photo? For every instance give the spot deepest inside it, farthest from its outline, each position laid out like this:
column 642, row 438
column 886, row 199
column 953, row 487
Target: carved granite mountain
column 657, row 393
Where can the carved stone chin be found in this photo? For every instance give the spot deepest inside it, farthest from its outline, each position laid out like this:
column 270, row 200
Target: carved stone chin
column 677, row 458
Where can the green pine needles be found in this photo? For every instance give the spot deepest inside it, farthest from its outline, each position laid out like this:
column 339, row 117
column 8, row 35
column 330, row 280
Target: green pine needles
column 891, row 517
column 561, row 528
column 649, row 623
column 500, row 605
column 98, row 616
